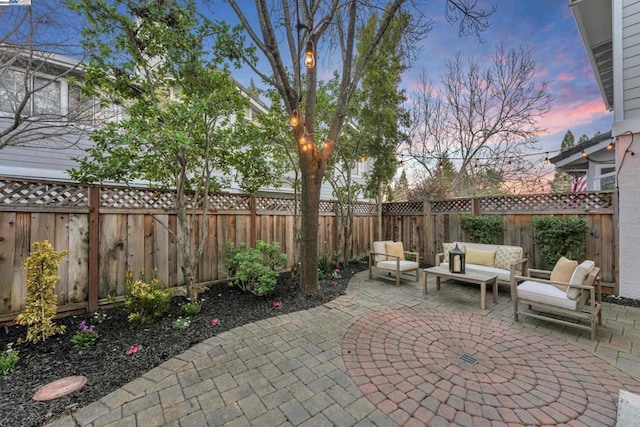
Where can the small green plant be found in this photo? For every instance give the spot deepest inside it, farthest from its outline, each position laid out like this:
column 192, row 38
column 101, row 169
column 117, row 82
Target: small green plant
column 8, row 359
column 181, row 323
column 556, row 237
column 482, row 228
column 190, row 308
column 85, row 336
column 324, row 262
column 99, row 316
column 42, row 301
column 145, row 301
column 255, row 270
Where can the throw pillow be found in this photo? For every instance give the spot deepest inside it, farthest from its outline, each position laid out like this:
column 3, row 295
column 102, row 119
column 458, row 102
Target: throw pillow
column 505, row 256
column 562, row 272
column 380, row 248
column 446, row 247
column 396, row 249
column 578, row 277
column 480, row 257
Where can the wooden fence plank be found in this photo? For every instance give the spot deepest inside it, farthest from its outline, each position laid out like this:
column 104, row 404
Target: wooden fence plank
column 161, row 247
column 22, row 249
column 7, row 259
column 149, row 248
column 135, row 244
column 78, row 258
column 61, row 243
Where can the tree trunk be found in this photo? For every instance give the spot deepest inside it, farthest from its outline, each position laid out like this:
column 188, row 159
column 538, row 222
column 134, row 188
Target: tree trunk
column 310, row 206
column 379, row 203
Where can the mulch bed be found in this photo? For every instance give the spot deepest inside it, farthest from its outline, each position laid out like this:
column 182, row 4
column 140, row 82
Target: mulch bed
column 107, row 364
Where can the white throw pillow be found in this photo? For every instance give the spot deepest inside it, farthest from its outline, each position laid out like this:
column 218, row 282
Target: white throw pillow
column 578, row 278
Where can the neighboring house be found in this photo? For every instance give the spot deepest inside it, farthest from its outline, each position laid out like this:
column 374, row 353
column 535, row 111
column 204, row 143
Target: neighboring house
column 594, row 159
column 45, row 154
column 610, row 31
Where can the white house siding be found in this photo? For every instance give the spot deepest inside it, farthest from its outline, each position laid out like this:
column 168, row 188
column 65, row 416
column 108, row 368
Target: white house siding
column 631, row 58
column 629, row 219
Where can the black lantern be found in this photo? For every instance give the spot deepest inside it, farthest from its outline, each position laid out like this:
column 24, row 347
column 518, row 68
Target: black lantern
column 456, row 260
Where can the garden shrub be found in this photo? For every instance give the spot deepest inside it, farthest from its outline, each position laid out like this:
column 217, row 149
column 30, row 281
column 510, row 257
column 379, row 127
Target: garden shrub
column 190, row 308
column 8, row 359
column 255, row 270
column 42, row 301
column 145, row 301
column 482, row 228
column 559, row 236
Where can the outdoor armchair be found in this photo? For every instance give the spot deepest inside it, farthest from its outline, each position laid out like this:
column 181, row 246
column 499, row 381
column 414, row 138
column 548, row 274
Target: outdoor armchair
column 389, row 258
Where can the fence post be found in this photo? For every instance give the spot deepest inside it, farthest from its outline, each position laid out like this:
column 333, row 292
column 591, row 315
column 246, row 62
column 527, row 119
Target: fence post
column 94, row 246
column 253, row 230
column 476, row 205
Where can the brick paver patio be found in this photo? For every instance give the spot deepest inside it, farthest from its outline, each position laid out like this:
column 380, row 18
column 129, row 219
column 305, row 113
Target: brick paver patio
column 382, row 355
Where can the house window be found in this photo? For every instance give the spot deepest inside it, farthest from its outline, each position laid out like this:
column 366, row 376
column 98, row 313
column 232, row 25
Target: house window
column 605, row 178
column 80, row 107
column 11, row 85
column 46, row 97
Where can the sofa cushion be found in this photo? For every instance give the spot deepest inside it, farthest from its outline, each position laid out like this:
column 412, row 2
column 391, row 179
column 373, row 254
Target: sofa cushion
column 480, row 257
column 562, row 272
column 396, row 249
column 404, row 265
column 545, row 294
column 446, row 247
column 506, row 255
column 380, row 248
column 578, row 278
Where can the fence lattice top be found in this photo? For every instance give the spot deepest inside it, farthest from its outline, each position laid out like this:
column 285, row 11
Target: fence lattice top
column 24, row 193
column 35, row 194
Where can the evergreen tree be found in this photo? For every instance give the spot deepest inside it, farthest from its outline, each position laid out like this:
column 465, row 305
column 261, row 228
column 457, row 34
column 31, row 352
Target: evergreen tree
column 567, row 142
column 401, row 189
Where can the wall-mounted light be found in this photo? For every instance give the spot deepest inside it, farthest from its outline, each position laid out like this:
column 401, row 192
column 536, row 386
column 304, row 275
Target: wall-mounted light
column 294, row 120
column 309, row 55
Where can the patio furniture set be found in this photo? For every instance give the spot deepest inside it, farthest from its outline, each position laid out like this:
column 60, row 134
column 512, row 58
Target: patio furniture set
column 568, row 295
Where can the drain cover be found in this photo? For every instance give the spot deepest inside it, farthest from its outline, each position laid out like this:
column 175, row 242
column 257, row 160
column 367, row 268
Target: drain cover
column 467, row 358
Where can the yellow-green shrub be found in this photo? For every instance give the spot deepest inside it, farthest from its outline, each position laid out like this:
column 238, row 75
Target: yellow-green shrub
column 145, row 301
column 42, row 275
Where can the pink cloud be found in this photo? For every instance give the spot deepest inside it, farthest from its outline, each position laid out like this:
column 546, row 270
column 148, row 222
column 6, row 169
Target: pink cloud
column 563, row 117
column 566, row 77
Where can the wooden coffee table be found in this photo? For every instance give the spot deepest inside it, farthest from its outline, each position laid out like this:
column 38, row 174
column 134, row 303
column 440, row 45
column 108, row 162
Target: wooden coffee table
column 477, row 277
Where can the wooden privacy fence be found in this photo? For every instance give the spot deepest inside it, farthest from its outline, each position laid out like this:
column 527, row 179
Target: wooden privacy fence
column 424, row 227
column 111, row 230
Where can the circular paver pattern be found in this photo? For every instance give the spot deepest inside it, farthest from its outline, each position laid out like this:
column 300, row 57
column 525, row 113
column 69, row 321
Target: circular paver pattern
column 437, row 367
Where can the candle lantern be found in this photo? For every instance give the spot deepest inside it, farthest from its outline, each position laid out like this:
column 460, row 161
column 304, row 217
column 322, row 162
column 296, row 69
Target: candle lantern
column 456, row 260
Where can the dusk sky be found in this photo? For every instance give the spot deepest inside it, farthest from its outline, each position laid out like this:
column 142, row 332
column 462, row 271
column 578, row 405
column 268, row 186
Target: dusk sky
column 547, row 27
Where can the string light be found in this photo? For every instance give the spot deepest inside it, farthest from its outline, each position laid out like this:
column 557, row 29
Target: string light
column 611, row 146
column 303, row 140
column 309, row 55
column 584, row 154
column 546, row 159
column 475, row 167
column 509, row 164
column 294, row 120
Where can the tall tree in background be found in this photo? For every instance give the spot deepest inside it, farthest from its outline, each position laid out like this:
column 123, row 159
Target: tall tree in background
column 401, row 188
column 568, row 141
column 282, row 35
column 380, row 104
column 184, row 112
column 482, row 119
column 561, row 182
column 31, row 38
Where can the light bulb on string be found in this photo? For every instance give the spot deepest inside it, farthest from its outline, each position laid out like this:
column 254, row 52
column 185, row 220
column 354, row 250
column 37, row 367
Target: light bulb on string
column 294, row 120
column 546, row 159
column 309, row 55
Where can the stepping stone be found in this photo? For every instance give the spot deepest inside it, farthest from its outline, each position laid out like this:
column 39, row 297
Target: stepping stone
column 60, row 388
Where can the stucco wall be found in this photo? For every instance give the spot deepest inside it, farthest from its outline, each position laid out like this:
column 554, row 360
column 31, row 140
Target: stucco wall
column 629, row 214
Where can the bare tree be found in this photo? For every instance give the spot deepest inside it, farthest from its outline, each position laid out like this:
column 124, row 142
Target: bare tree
column 39, row 58
column 481, row 119
column 285, row 30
